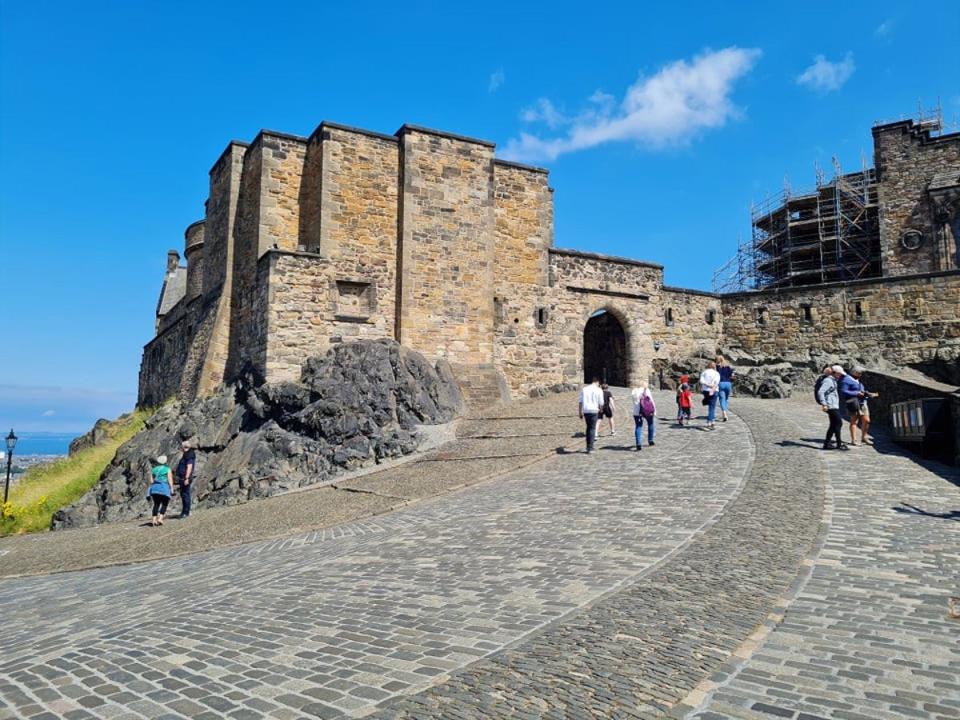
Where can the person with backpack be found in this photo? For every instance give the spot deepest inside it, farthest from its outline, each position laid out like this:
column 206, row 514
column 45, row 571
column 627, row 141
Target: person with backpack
column 160, row 490
column 607, row 410
column 644, row 410
column 828, row 395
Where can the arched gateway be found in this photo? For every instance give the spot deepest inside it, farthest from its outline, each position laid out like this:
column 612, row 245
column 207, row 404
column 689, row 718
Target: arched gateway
column 605, row 349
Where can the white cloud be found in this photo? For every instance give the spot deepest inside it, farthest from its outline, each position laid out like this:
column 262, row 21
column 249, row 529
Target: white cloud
column 496, row 80
column 544, row 111
column 825, row 76
column 884, row 28
column 667, row 108
column 49, row 413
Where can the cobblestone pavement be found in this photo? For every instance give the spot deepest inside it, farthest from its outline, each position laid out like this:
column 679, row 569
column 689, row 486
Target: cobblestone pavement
column 499, row 441
column 736, row 573
column 868, row 637
column 340, row 620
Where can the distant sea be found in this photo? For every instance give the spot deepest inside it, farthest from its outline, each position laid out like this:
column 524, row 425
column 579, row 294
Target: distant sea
column 42, row 443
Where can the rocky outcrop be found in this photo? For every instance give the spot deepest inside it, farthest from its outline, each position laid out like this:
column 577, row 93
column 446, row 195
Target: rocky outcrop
column 773, row 376
column 359, row 404
column 97, row 435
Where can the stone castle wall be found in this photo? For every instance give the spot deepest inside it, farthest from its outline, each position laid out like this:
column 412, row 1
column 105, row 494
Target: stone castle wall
column 905, row 320
column 446, row 240
column 424, row 237
column 907, row 158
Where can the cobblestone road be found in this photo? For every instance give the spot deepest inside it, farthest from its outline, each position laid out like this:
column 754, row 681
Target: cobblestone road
column 736, row 573
column 339, row 620
column 868, row 637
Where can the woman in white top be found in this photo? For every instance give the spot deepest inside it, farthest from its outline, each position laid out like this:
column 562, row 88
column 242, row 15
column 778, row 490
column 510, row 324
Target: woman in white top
column 644, row 409
column 709, row 386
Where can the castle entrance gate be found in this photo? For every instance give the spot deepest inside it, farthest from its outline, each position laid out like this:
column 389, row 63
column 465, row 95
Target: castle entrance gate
column 605, row 349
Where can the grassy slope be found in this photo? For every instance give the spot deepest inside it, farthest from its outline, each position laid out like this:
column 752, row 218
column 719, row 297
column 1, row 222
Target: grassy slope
column 44, row 489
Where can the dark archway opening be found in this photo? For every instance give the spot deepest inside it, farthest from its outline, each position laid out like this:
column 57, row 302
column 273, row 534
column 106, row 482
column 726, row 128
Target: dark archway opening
column 605, row 350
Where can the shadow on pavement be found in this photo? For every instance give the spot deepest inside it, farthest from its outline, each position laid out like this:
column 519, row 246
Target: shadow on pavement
column 908, row 509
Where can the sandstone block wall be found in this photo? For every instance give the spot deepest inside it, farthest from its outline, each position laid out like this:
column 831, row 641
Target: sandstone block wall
column 359, row 208
column 302, row 312
column 906, row 159
column 446, row 247
column 193, row 253
column 537, row 350
column 906, row 320
column 692, row 324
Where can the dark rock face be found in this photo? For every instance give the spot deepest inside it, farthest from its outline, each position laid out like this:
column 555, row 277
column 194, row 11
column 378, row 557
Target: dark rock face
column 358, row 405
column 97, row 435
column 768, row 376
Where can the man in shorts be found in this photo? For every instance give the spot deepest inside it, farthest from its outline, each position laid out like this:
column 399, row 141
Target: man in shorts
column 850, row 397
column 864, row 409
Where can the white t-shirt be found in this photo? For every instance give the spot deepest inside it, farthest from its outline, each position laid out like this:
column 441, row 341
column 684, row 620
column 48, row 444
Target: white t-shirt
column 709, row 379
column 591, row 399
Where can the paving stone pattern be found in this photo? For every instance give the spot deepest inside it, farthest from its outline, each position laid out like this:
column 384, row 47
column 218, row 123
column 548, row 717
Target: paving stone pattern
column 868, row 637
column 739, row 573
column 339, row 620
column 640, row 651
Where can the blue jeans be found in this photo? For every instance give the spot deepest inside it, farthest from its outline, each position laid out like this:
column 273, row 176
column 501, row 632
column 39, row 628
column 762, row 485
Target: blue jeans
column 591, row 420
column 726, row 390
column 638, row 429
column 712, row 407
column 185, row 498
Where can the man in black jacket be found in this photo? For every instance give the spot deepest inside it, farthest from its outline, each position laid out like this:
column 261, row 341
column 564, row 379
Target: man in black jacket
column 185, row 473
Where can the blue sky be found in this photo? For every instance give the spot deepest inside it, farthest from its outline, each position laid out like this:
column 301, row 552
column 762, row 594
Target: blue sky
column 660, row 123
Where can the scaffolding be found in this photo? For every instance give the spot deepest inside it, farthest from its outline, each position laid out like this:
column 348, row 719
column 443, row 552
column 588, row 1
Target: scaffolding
column 829, row 233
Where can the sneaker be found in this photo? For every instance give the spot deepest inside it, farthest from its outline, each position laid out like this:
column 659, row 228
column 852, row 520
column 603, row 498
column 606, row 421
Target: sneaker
column 652, row 443
column 843, row 446
column 639, row 448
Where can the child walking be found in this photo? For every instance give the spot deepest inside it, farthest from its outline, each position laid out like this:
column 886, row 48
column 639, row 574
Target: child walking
column 684, row 403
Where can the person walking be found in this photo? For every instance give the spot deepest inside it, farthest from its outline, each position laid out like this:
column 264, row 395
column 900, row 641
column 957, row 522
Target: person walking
column 725, row 389
column 850, row 397
column 644, row 410
column 684, row 404
column 608, row 409
column 864, row 409
column 186, row 469
column 591, row 400
column 710, row 387
column 828, row 395
column 160, row 490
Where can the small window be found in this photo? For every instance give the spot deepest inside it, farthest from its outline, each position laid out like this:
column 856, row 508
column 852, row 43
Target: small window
column 761, row 316
column 541, row 317
column 806, row 313
column 498, row 314
column 668, row 317
column 711, row 316
column 858, row 311
column 189, row 330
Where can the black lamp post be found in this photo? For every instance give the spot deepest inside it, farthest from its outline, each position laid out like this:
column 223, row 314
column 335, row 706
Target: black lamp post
column 11, row 444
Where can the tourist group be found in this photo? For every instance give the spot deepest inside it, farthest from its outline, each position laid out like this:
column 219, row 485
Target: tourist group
column 597, row 403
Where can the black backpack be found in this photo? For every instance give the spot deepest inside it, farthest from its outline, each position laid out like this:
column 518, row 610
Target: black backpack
column 816, row 388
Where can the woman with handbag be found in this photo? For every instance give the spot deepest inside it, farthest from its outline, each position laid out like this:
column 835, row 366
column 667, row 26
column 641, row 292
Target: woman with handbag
column 710, row 387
